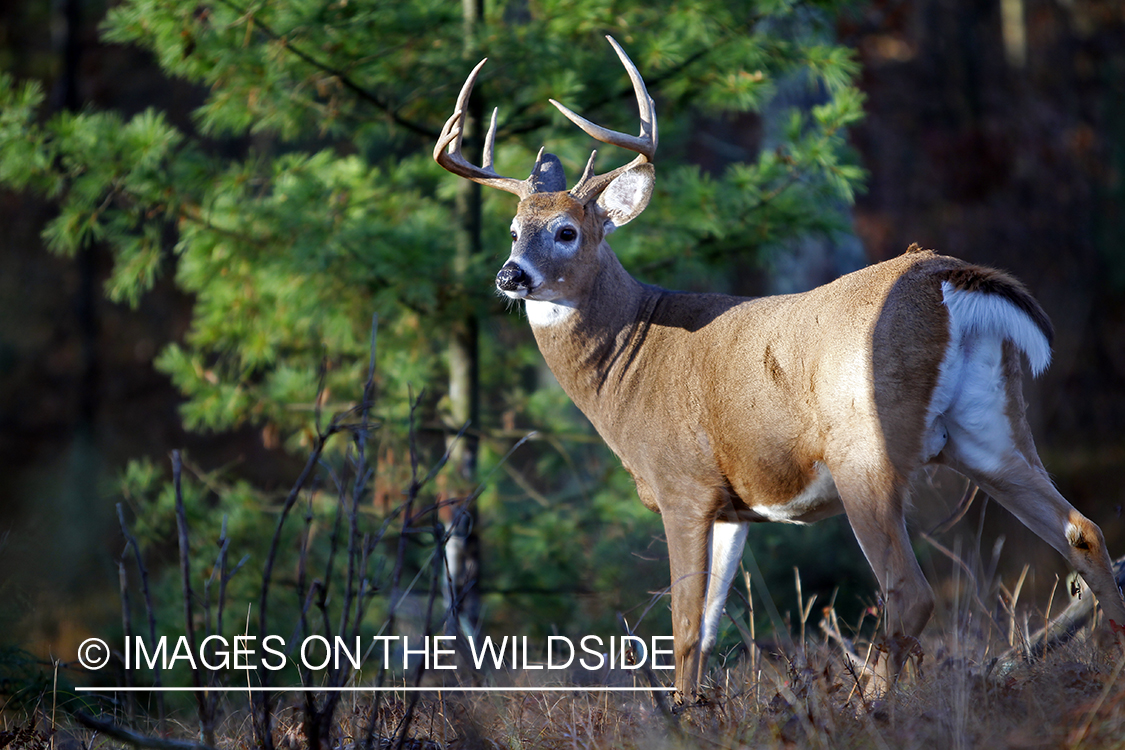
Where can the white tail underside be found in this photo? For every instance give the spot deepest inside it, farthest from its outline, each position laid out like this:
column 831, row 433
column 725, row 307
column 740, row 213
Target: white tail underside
column 967, row 414
column 976, row 313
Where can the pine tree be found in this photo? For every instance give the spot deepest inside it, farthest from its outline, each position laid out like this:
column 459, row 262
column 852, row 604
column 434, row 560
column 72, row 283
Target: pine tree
column 304, row 198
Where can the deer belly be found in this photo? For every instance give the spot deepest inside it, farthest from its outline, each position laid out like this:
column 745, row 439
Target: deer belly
column 817, row 500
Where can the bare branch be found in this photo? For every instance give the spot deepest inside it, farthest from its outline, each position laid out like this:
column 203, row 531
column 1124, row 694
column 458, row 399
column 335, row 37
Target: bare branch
column 136, row 739
column 131, row 541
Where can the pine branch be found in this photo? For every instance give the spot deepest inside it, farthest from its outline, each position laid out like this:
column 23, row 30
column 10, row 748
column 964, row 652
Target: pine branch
column 348, row 83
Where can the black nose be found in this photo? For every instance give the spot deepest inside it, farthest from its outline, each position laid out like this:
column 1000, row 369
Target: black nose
column 511, row 277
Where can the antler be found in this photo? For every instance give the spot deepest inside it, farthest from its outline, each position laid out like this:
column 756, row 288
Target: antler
column 447, row 151
column 590, row 185
column 546, row 174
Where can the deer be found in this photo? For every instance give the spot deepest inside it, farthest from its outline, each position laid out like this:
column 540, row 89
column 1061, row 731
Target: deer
column 729, row 410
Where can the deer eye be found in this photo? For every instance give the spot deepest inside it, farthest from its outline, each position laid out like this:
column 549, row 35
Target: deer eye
column 515, row 236
column 567, row 234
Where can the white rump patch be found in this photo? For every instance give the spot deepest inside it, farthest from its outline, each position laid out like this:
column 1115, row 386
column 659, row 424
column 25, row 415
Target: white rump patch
column 990, row 314
column 547, row 312
column 967, row 414
column 727, row 541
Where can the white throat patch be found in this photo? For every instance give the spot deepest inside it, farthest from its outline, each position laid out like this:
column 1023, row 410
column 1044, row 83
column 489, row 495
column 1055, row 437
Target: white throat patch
column 547, row 312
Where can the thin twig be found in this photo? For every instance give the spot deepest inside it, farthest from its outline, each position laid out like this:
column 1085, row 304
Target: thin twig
column 959, row 512
column 205, row 725
column 411, row 496
column 263, row 716
column 127, row 626
column 220, row 571
column 968, row 572
column 131, row 541
column 136, row 739
column 658, row 694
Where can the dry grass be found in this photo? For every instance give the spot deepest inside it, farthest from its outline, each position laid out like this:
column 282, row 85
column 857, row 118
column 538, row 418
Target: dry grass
column 963, row 694
column 970, row 685
column 1074, row 697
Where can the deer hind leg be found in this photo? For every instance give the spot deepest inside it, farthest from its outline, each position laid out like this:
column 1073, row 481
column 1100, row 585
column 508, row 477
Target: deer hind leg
column 1019, row 483
column 990, row 442
column 688, row 542
column 1026, row 491
column 873, row 501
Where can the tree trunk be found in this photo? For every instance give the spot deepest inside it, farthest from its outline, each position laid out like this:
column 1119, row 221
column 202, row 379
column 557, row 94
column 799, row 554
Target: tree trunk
column 462, row 553
column 67, row 43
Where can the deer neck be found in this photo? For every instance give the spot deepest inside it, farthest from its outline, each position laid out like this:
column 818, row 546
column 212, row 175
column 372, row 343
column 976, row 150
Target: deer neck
column 592, row 342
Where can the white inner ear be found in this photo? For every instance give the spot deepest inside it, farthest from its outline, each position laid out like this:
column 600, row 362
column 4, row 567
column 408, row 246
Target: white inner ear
column 623, row 194
column 626, row 196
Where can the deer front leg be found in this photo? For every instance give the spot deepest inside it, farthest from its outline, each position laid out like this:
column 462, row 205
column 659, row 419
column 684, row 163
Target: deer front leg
column 727, row 540
column 687, row 556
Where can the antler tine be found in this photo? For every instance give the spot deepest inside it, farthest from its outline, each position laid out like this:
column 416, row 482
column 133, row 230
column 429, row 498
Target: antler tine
column 451, row 132
column 645, row 103
column 490, row 141
column 588, row 172
column 447, row 150
column 644, row 144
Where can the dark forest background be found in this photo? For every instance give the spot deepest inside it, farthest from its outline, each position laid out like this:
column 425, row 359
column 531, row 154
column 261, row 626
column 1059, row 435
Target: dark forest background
column 994, row 131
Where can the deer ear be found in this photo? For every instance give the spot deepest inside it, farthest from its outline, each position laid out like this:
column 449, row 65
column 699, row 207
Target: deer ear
column 625, row 197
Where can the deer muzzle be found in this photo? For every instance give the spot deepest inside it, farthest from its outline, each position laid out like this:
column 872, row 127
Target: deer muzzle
column 512, row 278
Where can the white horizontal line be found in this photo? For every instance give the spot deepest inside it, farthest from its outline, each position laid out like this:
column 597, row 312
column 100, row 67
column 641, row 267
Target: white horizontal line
column 301, row 689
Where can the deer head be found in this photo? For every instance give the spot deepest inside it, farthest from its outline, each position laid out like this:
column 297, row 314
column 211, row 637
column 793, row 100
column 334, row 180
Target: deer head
column 557, row 233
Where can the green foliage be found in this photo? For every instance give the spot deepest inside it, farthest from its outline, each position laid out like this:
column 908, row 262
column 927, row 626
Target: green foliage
column 303, row 198
column 334, row 209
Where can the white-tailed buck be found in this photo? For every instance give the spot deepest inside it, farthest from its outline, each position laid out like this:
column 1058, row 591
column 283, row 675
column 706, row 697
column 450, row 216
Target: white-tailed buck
column 729, row 411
